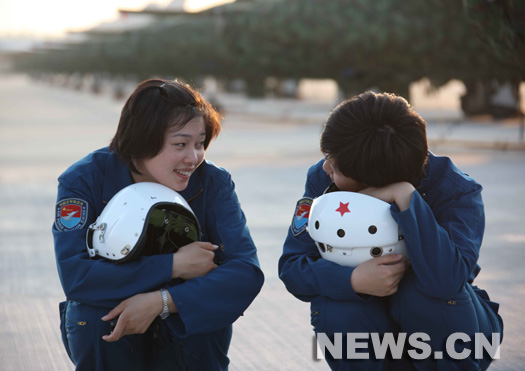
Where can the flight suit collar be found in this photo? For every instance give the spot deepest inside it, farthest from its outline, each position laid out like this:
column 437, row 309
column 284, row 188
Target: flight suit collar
column 425, row 182
column 195, row 185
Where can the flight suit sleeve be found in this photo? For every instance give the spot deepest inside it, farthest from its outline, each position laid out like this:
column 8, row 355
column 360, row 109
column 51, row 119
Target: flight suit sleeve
column 303, row 271
column 443, row 245
column 98, row 282
column 217, row 299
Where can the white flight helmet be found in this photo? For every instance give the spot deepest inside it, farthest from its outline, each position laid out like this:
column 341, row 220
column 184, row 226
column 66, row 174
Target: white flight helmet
column 350, row 228
column 142, row 219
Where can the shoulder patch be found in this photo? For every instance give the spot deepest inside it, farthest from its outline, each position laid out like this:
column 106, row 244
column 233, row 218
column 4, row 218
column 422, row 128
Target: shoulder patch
column 71, row 214
column 300, row 217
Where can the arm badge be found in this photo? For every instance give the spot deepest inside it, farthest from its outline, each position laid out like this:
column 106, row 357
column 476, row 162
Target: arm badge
column 301, row 214
column 71, row 214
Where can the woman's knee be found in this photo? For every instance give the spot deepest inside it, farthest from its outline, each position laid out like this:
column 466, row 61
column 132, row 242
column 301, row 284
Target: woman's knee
column 415, row 311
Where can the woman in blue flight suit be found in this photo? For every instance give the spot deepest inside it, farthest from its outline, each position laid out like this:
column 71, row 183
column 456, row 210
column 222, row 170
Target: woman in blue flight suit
column 376, row 144
column 164, row 130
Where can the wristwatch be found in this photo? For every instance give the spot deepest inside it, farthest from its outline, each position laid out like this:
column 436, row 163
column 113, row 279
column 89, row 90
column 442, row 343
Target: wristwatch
column 165, row 310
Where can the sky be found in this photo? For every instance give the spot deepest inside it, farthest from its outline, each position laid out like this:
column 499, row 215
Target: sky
column 52, row 18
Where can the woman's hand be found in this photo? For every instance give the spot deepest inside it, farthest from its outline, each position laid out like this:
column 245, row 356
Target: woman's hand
column 400, row 193
column 193, row 260
column 379, row 276
column 135, row 315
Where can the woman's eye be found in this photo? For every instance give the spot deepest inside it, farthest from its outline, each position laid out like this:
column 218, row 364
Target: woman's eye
column 181, row 145
column 200, row 145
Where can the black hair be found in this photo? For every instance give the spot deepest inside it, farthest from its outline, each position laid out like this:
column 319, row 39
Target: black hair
column 376, row 139
column 154, row 107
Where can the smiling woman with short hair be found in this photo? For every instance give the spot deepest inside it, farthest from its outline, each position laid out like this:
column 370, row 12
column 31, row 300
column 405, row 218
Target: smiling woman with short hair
column 164, row 311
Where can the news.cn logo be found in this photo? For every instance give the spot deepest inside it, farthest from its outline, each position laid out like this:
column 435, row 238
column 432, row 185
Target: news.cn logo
column 357, row 344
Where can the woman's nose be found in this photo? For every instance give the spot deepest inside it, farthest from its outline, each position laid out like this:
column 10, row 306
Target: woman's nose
column 192, row 156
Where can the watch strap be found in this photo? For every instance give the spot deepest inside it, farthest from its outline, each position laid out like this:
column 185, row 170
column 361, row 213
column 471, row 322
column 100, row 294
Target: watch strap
column 165, row 310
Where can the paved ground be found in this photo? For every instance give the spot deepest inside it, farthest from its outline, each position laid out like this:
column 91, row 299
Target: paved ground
column 267, row 145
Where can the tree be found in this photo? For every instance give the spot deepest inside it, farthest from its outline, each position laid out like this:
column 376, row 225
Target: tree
column 361, row 44
column 500, row 25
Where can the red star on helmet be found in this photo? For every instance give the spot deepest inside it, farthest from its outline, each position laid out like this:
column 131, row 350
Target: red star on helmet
column 343, row 208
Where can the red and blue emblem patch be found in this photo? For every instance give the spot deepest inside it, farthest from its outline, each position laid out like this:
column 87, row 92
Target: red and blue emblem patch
column 300, row 218
column 71, row 214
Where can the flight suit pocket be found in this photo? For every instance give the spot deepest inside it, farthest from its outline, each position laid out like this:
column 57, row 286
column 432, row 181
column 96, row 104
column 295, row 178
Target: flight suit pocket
column 81, row 330
column 62, row 308
column 459, row 314
column 317, row 309
column 75, row 319
column 462, row 299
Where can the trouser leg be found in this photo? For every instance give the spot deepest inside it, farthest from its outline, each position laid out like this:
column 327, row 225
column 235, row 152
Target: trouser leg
column 83, row 330
column 451, row 325
column 157, row 350
column 208, row 351
column 341, row 322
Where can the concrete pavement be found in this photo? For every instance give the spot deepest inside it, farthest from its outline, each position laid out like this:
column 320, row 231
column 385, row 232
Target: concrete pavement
column 267, row 145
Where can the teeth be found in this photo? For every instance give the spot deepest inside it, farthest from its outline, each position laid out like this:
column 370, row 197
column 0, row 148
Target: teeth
column 185, row 173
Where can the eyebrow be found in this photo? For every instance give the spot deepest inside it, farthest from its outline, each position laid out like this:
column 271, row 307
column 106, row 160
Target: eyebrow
column 203, row 134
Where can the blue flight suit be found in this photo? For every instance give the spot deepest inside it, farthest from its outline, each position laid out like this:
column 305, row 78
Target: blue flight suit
column 195, row 338
column 443, row 230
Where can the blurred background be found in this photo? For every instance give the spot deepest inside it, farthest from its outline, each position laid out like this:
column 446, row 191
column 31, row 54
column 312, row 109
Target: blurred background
column 273, row 47
column 275, row 69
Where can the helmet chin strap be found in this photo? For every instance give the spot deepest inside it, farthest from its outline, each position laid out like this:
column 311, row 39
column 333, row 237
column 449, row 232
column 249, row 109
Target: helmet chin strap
column 331, row 188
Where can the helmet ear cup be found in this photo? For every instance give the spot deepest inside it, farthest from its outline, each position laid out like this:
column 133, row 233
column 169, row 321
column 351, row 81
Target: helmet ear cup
column 376, row 252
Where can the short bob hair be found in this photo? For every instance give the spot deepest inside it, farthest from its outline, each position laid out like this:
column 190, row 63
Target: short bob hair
column 376, row 139
column 152, row 109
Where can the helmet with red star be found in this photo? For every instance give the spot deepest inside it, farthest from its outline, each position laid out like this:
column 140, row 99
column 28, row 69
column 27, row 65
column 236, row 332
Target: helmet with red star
column 350, row 228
